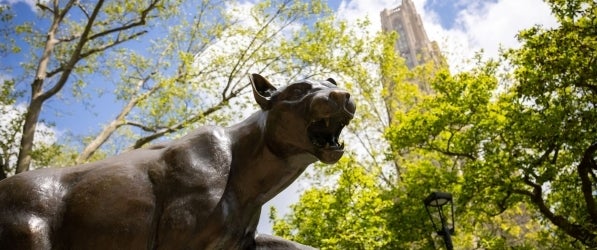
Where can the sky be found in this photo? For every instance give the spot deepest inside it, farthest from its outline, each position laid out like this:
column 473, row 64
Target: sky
column 461, row 27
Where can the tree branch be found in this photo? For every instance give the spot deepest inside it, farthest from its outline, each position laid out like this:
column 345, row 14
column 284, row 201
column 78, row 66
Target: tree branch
column 44, row 7
column 54, row 72
column 38, row 97
column 141, row 126
column 75, row 57
column 450, row 153
column 141, row 21
column 253, row 41
column 110, row 45
column 119, row 121
column 571, row 229
column 586, row 166
column 68, row 39
column 78, row 4
column 175, row 127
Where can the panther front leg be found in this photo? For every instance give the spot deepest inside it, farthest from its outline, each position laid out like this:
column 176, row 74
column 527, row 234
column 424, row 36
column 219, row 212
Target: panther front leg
column 267, row 242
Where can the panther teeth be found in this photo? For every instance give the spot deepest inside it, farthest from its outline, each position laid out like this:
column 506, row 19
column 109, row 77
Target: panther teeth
column 324, row 138
column 325, row 121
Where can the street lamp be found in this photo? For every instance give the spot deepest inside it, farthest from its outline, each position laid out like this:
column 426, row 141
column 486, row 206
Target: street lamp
column 438, row 200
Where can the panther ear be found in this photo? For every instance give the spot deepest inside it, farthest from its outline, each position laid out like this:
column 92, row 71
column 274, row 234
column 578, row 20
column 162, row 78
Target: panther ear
column 331, row 80
column 262, row 91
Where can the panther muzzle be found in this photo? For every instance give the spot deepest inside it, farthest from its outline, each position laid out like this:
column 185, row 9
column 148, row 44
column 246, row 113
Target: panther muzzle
column 331, row 112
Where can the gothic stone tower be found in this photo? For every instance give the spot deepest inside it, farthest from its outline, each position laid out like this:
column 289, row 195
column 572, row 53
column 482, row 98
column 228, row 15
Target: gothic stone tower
column 412, row 42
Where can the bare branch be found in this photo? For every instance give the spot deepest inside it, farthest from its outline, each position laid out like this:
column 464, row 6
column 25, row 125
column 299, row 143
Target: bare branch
column 82, row 8
column 112, row 44
column 44, row 7
column 66, row 8
column 119, row 121
column 68, row 39
column 141, row 126
column 54, row 72
column 183, row 124
column 253, row 41
column 141, row 21
column 75, row 57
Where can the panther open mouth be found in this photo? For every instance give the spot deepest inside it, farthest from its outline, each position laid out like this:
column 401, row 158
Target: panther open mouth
column 324, row 133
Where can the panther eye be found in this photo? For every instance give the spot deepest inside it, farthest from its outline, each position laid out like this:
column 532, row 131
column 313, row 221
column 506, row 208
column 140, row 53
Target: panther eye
column 300, row 90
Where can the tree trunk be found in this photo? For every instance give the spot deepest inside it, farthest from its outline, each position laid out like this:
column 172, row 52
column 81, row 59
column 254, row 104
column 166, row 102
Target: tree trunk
column 34, row 109
column 3, row 168
column 38, row 96
column 31, row 118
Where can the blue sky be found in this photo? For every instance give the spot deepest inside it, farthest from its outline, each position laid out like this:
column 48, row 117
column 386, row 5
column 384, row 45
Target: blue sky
column 460, row 26
column 447, row 11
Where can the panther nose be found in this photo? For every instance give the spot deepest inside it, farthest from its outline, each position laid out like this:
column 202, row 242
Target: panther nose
column 343, row 98
column 339, row 96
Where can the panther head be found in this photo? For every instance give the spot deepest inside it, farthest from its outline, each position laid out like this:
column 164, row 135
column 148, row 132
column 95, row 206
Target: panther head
column 304, row 117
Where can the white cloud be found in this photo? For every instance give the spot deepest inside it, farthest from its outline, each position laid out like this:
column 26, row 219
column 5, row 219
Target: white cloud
column 479, row 25
column 485, row 26
column 31, row 3
column 498, row 23
column 361, row 9
column 11, row 120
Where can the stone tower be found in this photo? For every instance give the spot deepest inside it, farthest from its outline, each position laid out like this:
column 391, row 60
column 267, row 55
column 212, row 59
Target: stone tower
column 412, row 42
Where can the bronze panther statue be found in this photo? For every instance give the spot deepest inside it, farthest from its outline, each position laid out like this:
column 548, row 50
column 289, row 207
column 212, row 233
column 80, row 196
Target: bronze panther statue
column 202, row 191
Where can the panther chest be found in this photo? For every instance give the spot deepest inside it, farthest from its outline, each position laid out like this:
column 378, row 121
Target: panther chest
column 209, row 224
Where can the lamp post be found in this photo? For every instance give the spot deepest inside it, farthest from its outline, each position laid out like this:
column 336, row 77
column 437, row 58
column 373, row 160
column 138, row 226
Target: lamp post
column 436, row 201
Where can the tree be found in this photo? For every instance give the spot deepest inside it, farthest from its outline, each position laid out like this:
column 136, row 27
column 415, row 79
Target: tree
column 348, row 215
column 556, row 91
column 526, row 141
column 451, row 136
column 208, row 55
column 6, row 17
column 70, row 46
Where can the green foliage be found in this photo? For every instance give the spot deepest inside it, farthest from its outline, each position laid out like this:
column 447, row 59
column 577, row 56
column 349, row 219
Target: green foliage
column 6, row 17
column 348, row 215
column 556, row 95
column 197, row 71
column 477, row 126
column 524, row 144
